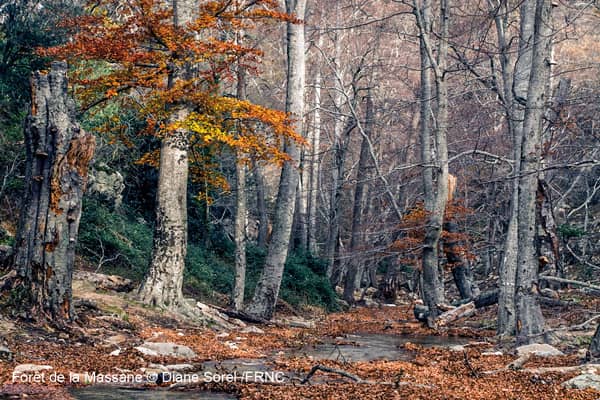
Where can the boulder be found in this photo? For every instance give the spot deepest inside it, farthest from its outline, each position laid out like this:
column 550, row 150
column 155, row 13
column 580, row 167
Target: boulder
column 584, row 381
column 165, row 349
column 539, row 349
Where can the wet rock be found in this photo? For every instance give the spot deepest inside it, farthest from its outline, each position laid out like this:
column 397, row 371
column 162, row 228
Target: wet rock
column 252, row 329
column 584, row 381
column 539, row 349
column 166, row 349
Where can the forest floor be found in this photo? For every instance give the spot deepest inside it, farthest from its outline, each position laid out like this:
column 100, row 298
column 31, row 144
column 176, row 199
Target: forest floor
column 110, row 326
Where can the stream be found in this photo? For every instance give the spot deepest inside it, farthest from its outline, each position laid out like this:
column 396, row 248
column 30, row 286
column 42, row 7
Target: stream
column 361, row 347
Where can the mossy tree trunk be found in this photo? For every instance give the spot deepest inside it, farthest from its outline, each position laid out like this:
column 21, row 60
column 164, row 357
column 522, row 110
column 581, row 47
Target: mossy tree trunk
column 58, row 157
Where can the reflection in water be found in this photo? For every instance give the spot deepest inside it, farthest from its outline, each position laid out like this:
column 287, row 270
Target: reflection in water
column 113, row 393
column 369, row 347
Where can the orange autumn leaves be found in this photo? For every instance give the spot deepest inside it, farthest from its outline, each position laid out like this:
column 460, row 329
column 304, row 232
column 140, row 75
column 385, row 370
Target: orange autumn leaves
column 124, row 54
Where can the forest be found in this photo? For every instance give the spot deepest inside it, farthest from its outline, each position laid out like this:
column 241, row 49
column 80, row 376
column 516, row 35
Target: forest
column 299, row 199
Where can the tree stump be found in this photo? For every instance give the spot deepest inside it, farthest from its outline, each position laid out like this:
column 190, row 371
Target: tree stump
column 58, row 157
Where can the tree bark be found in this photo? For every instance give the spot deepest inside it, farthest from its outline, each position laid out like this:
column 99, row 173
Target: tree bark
column 315, row 166
column 267, row 288
column 240, row 212
column 355, row 269
column 163, row 283
column 261, row 208
column 461, row 271
column 435, row 202
column 594, row 350
column 58, row 157
column 530, row 321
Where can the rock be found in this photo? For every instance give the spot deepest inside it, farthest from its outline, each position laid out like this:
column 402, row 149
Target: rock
column 370, row 303
column 584, row 381
column 107, row 184
column 252, row 329
column 5, row 353
column 551, row 294
column 492, row 353
column 219, row 318
column 297, row 322
column 339, row 290
column 457, row 348
column 370, row 291
column 115, row 353
column 166, row 349
column 539, row 349
column 116, row 339
column 172, row 367
column 30, row 369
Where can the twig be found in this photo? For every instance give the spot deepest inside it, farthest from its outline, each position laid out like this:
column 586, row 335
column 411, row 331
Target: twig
column 341, row 372
column 474, row 373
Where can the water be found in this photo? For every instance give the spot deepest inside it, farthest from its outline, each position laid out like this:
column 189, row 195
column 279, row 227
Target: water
column 369, row 347
column 113, row 393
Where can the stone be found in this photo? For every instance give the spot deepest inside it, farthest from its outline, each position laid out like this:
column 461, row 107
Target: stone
column 584, row 381
column 116, row 339
column 30, row 369
column 166, row 349
column 252, row 329
column 539, row 349
column 491, row 353
column 172, row 367
column 115, row 353
column 457, row 348
column 5, row 353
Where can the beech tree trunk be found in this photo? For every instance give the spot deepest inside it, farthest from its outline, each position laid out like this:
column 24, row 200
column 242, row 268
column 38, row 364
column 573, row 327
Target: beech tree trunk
column 58, row 157
column 315, row 166
column 261, row 208
column 355, row 269
column 163, row 283
column 530, row 321
column 267, row 288
column 240, row 212
column 435, row 202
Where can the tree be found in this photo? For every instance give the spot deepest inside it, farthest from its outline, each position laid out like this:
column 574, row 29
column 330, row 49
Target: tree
column 167, row 64
column 267, row 289
column 435, row 201
column 58, row 156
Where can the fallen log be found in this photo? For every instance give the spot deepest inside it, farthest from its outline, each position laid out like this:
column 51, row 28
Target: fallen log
column 485, row 299
column 570, row 282
column 105, row 282
column 323, row 368
column 466, row 310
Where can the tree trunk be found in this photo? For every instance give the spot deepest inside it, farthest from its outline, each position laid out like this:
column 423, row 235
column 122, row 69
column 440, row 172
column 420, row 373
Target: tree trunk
column 58, row 157
column 240, row 213
column 315, row 166
column 530, row 321
column 267, row 288
column 163, row 283
column 515, row 84
column 435, row 203
column 455, row 257
column 261, row 208
column 594, row 350
column 355, row 269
